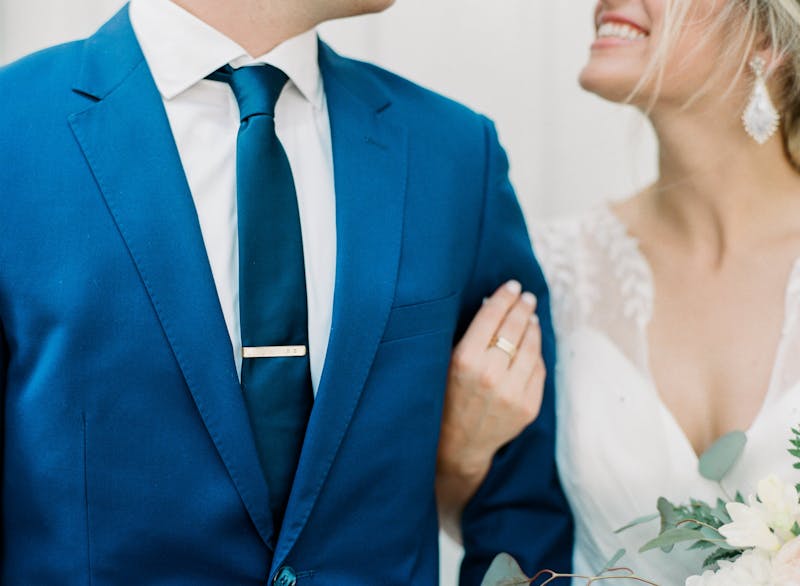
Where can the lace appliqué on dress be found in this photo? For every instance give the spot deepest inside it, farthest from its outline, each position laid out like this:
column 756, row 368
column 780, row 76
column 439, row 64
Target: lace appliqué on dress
column 598, row 278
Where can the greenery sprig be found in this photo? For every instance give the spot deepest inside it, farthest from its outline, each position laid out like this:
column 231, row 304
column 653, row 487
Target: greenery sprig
column 696, row 524
column 505, row 571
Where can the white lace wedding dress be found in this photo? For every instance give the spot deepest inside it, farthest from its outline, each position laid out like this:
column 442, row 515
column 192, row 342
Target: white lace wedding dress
column 619, row 448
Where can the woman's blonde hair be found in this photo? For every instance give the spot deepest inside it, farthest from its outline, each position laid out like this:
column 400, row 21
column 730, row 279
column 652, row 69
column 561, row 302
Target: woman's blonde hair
column 749, row 25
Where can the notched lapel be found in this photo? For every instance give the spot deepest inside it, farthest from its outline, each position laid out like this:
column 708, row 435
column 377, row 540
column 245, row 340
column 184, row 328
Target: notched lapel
column 370, row 168
column 127, row 141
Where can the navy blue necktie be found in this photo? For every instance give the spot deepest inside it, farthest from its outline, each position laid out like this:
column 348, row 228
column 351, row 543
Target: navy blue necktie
column 276, row 377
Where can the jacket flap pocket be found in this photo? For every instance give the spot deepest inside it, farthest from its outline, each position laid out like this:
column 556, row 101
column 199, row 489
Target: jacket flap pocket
column 422, row 318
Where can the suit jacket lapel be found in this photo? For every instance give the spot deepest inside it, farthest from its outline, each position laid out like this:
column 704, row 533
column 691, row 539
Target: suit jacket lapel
column 369, row 156
column 126, row 139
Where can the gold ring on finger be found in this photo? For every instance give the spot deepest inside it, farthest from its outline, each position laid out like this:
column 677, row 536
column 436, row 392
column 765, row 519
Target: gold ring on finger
column 505, row 345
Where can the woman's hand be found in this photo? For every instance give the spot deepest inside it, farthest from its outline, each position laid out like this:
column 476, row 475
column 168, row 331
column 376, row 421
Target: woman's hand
column 495, row 388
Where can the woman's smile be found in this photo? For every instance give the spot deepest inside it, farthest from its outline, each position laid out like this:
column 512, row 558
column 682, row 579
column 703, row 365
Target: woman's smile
column 615, row 31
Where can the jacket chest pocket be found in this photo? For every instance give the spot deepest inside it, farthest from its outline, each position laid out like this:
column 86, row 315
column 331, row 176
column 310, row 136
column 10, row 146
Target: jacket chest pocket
column 418, row 319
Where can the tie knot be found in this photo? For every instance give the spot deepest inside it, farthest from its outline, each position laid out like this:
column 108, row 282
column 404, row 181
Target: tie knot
column 257, row 88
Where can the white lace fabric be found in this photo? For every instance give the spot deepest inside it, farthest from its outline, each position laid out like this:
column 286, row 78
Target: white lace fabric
column 619, row 448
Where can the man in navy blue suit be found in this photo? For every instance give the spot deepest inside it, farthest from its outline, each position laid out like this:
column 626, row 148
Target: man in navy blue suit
column 229, row 291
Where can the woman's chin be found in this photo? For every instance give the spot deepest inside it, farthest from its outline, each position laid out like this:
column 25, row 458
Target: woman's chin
column 605, row 86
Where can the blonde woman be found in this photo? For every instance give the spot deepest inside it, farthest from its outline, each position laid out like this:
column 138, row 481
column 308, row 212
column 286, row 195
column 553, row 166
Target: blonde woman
column 676, row 311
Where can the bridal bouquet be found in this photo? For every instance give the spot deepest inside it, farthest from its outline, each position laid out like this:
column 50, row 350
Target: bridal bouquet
column 752, row 542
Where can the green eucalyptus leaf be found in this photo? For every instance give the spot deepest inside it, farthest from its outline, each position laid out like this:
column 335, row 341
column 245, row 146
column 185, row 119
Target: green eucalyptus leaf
column 639, row 521
column 722, row 456
column 672, row 537
column 710, row 533
column 670, row 516
column 722, row 544
column 505, row 571
column 612, row 563
column 702, row 513
column 721, row 513
column 669, row 513
column 712, row 561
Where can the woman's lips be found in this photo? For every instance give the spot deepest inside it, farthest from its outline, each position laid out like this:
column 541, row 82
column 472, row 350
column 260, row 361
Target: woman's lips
column 614, row 31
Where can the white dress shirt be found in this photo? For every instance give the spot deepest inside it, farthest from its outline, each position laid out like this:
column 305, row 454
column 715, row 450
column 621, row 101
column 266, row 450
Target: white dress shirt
column 181, row 50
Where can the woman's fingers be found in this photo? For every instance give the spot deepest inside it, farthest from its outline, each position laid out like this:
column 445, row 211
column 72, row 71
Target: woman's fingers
column 490, row 316
column 530, row 349
column 506, row 343
column 492, row 394
column 528, row 354
column 535, row 388
column 526, row 372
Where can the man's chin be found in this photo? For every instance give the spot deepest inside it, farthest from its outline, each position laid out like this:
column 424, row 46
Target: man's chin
column 367, row 6
column 378, row 5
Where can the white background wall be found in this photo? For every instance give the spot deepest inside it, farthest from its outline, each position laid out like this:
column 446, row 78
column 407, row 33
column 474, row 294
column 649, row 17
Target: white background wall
column 515, row 60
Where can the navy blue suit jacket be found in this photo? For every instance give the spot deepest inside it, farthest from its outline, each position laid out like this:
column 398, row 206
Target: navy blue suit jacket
column 127, row 457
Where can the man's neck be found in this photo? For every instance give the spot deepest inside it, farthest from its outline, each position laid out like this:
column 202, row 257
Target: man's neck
column 258, row 26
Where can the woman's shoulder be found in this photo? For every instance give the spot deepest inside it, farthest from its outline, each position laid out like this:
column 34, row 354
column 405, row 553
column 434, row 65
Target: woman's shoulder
column 569, row 239
column 591, row 261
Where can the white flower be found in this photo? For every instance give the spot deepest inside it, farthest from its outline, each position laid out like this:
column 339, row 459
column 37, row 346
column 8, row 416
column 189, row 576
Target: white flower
column 753, row 568
column 779, row 506
column 786, row 564
column 749, row 529
column 708, row 578
column 768, row 520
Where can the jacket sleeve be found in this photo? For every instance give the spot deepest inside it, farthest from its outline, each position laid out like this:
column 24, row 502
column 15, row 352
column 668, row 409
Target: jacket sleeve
column 520, row 508
column 3, row 374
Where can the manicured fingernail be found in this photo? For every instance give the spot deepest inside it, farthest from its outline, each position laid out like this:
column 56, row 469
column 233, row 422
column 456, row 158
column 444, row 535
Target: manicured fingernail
column 529, row 298
column 514, row 287
column 535, row 319
column 485, row 301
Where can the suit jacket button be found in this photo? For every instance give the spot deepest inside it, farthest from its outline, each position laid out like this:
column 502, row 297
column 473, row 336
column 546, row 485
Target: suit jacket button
column 286, row 576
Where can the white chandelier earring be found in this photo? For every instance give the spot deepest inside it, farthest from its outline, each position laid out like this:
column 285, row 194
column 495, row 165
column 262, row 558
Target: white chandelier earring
column 761, row 119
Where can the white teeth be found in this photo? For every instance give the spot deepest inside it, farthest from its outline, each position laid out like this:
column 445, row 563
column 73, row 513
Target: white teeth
column 619, row 30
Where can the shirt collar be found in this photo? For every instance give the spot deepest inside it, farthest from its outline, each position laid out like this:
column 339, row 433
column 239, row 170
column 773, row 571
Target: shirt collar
column 182, row 50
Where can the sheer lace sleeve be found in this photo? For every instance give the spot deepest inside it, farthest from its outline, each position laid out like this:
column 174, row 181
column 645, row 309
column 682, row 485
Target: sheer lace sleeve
column 558, row 247
column 598, row 279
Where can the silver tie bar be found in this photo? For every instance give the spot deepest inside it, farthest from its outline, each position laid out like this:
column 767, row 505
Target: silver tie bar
column 274, row 351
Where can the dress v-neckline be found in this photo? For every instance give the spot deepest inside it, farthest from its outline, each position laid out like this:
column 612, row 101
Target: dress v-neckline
column 791, row 288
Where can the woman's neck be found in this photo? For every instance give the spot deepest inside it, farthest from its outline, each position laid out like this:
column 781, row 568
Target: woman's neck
column 718, row 189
